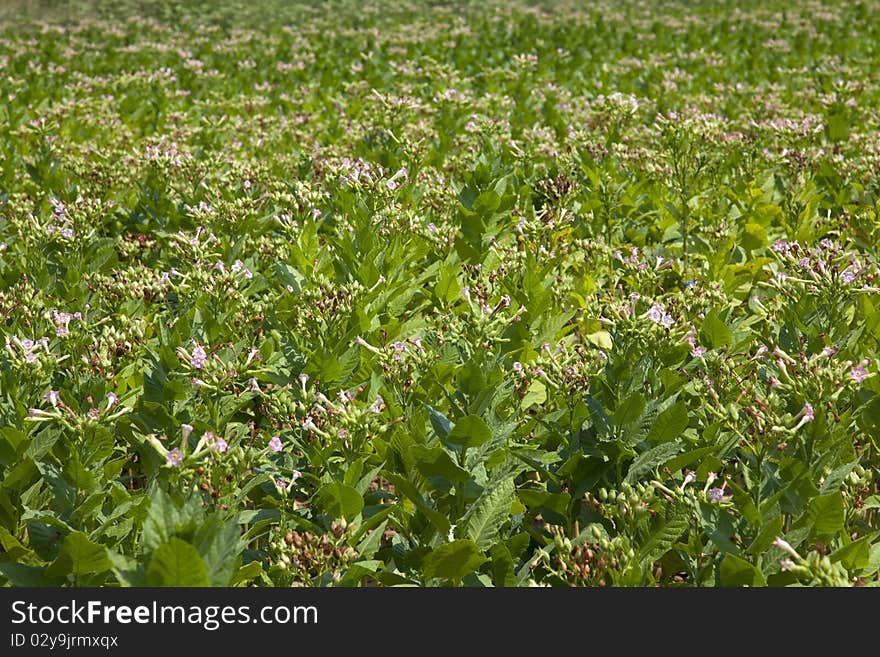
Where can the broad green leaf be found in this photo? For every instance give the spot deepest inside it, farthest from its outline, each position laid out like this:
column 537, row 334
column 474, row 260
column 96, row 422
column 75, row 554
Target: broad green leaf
column 447, row 288
column 855, row 555
column 768, row 533
column 436, row 462
column 219, row 542
column 827, row 514
column 168, row 516
column 502, row 566
column 873, row 561
column 665, row 530
column 715, row 332
column 453, row 560
column 339, row 500
column 630, row 409
column 371, row 542
column 484, row 519
column 79, row 556
column 836, row 477
column 754, row 237
column 177, row 563
column 536, row 394
column 405, row 487
column 247, row 573
column 440, row 423
column 653, row 458
column 735, row 571
column 669, row 424
column 27, row 576
column 601, row 339
column 600, row 420
column 470, row 431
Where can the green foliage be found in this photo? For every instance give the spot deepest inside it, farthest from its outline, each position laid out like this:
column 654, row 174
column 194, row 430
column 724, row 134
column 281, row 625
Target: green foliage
column 509, row 295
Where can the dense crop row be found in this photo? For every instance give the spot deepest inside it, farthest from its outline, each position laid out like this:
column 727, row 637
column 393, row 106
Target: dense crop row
column 479, row 294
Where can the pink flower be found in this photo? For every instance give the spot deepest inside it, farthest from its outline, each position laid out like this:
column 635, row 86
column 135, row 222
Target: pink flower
column 807, row 412
column 698, row 351
column 275, row 444
column 660, row 316
column 716, row 494
column 848, row 275
column 199, row 356
column 174, row 457
column 53, row 398
column 857, row 374
column 112, row 399
column 221, row 445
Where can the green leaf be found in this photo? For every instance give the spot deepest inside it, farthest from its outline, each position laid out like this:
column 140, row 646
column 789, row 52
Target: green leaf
column 715, row 332
column 768, row 533
column 855, row 555
column 536, row 394
column 436, row 462
column 371, row 542
column 13, row 548
column 484, row 519
column 651, row 459
column 470, row 431
column 219, row 543
column 502, row 566
column 339, row 500
column 404, row 486
column 79, row 556
column 290, row 277
column 735, row 571
column 168, row 517
column 453, row 560
column 177, row 563
column 601, row 421
column 664, row 532
column 246, row 573
column 753, row 237
column 827, row 514
column 630, row 409
column 26, row 576
column 601, row 339
column 447, row 288
column 487, row 203
column 543, row 501
column 836, row 477
column 669, row 424
column 128, row 571
column 873, row 561
column 440, row 423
